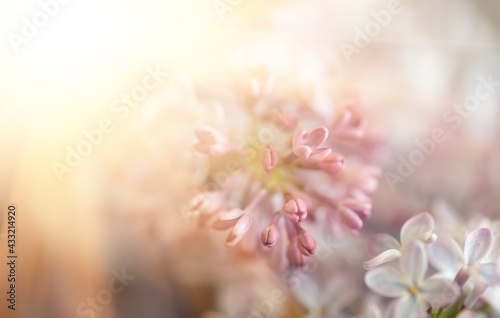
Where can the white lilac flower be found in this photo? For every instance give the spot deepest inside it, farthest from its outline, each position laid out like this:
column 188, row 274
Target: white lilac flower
column 384, row 247
column 413, row 292
column 477, row 260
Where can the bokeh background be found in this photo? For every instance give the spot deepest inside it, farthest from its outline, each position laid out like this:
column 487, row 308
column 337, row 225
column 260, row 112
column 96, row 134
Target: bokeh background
column 121, row 207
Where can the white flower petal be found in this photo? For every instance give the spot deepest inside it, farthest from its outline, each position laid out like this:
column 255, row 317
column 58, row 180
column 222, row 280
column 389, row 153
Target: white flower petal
column 384, row 257
column 386, row 281
column 489, row 273
column 413, row 261
column 409, row 307
column 445, row 255
column 474, row 295
column 439, row 292
column 420, row 226
column 379, row 243
column 494, row 253
column 477, row 244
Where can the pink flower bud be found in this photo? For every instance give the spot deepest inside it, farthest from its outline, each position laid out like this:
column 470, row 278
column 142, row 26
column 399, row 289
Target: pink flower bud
column 350, row 218
column 270, row 236
column 306, row 243
column 269, row 157
column 332, row 164
column 296, row 210
column 362, row 209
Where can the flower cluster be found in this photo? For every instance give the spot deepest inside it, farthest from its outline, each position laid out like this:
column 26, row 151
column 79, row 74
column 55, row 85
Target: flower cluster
column 462, row 272
column 284, row 164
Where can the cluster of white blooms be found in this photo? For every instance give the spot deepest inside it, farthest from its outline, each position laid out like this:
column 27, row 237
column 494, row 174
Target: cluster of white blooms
column 462, row 275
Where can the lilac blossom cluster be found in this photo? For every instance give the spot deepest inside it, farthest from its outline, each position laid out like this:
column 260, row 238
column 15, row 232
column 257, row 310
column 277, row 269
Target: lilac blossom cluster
column 284, row 166
column 462, row 278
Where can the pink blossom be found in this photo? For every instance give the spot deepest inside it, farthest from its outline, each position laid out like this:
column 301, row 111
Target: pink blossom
column 306, row 144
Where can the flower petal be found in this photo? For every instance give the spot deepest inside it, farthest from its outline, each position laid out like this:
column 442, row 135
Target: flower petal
column 414, row 262
column 474, row 295
column 320, row 154
column 303, row 152
column 242, row 226
column 409, row 307
column 230, row 215
column 378, row 243
column 382, row 258
column 477, row 244
column 494, row 253
column 386, row 281
column 223, row 225
column 489, row 273
column 298, row 138
column 317, row 136
column 445, row 255
column 439, row 292
column 420, row 226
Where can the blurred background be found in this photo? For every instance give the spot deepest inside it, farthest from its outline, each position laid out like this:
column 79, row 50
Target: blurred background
column 68, row 72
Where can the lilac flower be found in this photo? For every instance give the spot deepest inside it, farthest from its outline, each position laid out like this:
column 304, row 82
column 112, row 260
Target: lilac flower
column 306, row 144
column 476, row 261
column 270, row 153
column 386, row 248
column 413, row 291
